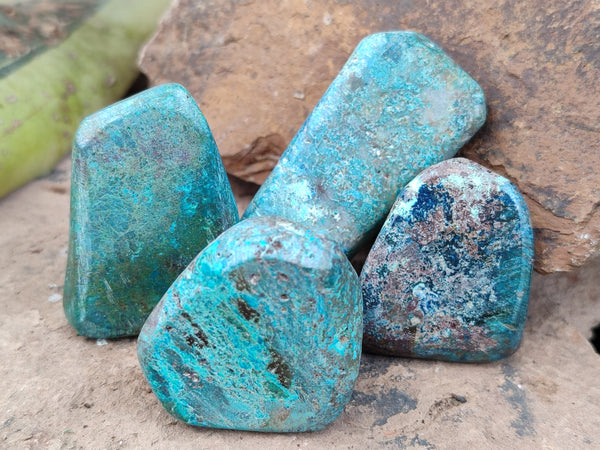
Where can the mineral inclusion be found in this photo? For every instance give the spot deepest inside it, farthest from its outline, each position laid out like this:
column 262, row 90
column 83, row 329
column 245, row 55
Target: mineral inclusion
column 448, row 276
column 399, row 105
column 261, row 332
column 148, row 192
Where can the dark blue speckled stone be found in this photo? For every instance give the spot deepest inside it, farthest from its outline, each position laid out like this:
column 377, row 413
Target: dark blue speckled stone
column 448, row 277
column 399, row 105
column 261, row 332
column 148, row 192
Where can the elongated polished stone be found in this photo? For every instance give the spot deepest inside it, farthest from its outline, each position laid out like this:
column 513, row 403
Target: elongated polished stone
column 261, row 332
column 148, row 192
column 448, row 276
column 400, row 104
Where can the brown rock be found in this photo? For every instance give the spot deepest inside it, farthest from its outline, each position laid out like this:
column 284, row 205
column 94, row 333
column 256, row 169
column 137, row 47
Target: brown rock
column 60, row 390
column 258, row 68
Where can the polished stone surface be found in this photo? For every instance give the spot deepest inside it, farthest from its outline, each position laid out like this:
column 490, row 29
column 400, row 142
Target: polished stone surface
column 148, row 192
column 448, row 276
column 261, row 332
column 399, row 105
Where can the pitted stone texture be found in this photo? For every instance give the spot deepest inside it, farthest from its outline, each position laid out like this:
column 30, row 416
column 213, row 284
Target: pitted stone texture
column 261, row 332
column 148, row 192
column 538, row 63
column 448, row 276
column 399, row 105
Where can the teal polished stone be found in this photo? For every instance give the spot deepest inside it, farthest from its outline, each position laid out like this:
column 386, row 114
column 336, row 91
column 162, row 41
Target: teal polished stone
column 399, row 105
column 148, row 192
column 261, row 332
column 448, row 276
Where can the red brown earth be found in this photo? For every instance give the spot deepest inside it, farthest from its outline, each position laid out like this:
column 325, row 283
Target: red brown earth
column 258, row 68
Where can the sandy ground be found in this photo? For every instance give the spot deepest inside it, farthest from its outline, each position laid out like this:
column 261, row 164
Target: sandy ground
column 60, row 390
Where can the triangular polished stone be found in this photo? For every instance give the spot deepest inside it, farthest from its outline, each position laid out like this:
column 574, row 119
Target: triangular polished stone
column 261, row 332
column 148, row 192
column 399, row 105
column 448, row 276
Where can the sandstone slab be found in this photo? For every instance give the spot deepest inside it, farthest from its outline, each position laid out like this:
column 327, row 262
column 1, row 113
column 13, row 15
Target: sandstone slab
column 257, row 69
column 544, row 396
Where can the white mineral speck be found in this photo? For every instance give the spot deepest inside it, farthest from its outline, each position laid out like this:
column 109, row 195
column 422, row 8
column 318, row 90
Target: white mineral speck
column 420, row 291
column 254, row 279
column 327, row 19
column 440, row 104
column 54, row 298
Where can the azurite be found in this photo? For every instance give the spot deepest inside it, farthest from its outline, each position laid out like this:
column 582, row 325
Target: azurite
column 448, row 276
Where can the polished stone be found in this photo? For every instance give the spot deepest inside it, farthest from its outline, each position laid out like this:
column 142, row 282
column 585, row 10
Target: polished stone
column 448, row 276
column 399, row 105
column 261, row 332
column 148, row 192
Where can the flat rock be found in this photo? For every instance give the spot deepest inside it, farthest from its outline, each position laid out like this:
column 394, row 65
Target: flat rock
column 148, row 192
column 543, row 396
column 258, row 69
column 261, row 332
column 399, row 105
column 29, row 28
column 449, row 274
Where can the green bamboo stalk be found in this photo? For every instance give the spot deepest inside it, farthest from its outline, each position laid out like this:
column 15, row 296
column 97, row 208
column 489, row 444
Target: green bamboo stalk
column 43, row 101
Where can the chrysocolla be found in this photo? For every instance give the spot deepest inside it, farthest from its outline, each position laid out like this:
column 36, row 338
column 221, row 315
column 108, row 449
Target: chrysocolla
column 399, row 105
column 448, row 276
column 261, row 332
column 148, row 192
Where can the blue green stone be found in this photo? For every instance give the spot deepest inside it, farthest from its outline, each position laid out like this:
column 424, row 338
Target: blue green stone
column 261, row 332
column 399, row 105
column 448, row 276
column 148, row 192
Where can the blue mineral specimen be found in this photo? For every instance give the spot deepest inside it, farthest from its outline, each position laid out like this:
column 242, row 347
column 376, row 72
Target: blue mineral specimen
column 148, row 192
column 448, row 276
column 261, row 332
column 399, row 105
